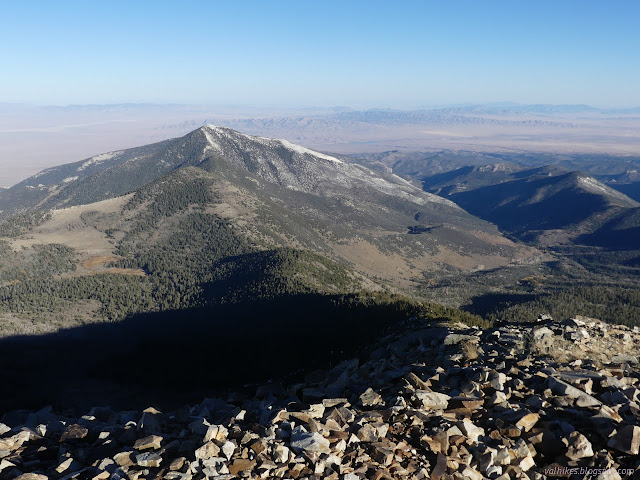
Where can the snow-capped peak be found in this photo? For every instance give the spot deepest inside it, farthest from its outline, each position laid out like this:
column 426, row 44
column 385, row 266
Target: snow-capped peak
column 227, row 132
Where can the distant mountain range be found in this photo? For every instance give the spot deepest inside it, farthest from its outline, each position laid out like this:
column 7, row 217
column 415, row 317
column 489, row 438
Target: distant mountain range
column 611, row 169
column 37, row 137
column 546, row 109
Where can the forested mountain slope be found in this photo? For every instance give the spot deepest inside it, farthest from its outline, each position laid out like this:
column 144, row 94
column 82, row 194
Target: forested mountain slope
column 217, row 217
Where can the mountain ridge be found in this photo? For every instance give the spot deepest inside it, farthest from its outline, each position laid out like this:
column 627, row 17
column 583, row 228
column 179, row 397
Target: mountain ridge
column 55, row 186
column 544, row 200
column 186, row 222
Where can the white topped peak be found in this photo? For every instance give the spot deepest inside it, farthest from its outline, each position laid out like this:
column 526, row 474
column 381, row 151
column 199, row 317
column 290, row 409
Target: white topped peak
column 216, row 128
column 208, row 129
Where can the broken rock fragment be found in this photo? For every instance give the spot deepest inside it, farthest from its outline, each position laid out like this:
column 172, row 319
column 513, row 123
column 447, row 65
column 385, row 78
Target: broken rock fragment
column 309, row 441
column 433, row 400
column 579, row 447
column 370, row 398
column 146, row 443
column 626, row 440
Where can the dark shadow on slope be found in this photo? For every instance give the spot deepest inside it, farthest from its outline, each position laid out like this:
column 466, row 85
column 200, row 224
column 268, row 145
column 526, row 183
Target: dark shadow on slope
column 491, row 302
column 558, row 210
column 622, row 232
column 167, row 359
column 631, row 190
column 556, row 202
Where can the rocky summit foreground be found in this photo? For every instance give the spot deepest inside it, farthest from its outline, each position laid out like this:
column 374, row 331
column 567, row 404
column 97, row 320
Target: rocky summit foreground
column 543, row 400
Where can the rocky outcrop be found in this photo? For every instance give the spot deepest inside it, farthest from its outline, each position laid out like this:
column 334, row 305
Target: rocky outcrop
column 419, row 407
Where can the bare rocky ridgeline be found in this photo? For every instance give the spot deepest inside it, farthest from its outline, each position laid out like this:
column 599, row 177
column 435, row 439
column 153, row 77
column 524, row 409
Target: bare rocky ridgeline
column 532, row 401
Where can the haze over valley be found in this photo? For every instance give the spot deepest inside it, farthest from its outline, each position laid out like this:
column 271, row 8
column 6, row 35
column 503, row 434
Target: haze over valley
column 37, row 137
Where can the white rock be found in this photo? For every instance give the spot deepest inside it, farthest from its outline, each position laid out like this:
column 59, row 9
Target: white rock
column 309, row 441
column 228, row 448
column 315, row 411
column 470, row 430
column 208, row 450
column 433, row 400
column 498, row 381
column 217, row 433
column 281, row 454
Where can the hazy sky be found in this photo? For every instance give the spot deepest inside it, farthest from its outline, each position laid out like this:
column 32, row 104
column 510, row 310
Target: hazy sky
column 293, row 53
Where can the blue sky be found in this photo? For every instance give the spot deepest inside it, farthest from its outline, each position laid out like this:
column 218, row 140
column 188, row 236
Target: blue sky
column 311, row 53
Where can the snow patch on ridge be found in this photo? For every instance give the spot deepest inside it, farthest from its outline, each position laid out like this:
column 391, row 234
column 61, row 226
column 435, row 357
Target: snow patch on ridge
column 46, row 171
column 593, row 184
column 211, row 143
column 99, row 159
column 309, row 173
column 303, row 151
